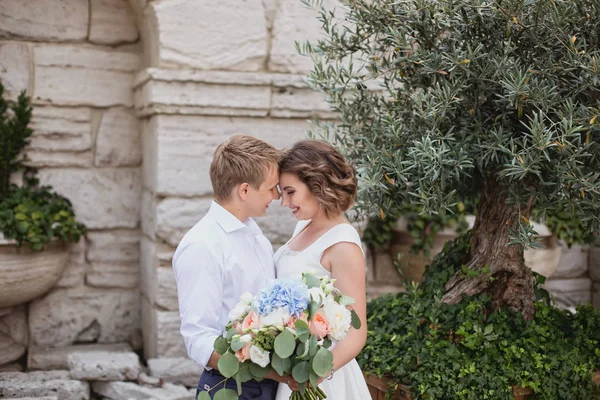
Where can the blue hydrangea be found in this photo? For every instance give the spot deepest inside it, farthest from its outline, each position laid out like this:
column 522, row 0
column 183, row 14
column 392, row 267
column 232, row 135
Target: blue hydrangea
column 282, row 293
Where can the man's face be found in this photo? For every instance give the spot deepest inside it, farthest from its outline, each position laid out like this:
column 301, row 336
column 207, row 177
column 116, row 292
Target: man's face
column 260, row 199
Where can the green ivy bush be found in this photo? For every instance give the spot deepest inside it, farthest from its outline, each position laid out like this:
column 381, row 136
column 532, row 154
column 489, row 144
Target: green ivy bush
column 31, row 214
column 468, row 351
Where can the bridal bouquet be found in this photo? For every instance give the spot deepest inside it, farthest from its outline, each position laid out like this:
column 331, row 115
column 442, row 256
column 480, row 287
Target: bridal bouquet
column 287, row 327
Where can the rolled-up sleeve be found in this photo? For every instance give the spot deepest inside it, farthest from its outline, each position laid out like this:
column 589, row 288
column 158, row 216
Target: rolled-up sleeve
column 199, row 280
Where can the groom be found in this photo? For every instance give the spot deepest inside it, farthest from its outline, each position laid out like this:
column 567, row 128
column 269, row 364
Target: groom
column 225, row 254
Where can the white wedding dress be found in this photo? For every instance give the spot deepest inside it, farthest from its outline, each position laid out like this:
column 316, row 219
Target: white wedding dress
column 348, row 382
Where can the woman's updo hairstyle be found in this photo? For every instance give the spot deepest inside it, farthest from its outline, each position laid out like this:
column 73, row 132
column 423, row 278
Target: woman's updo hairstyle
column 324, row 170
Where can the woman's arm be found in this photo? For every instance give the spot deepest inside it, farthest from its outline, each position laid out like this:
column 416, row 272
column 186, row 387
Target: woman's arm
column 347, row 265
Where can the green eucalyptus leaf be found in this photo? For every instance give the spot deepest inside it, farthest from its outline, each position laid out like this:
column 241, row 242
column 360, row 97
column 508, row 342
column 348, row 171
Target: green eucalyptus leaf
column 237, row 344
column 312, row 281
column 313, row 345
column 231, row 332
column 302, row 388
column 226, row 394
column 258, row 371
column 356, row 324
column 346, row 300
column 301, row 371
column 313, row 307
column 238, row 384
column 203, row 396
column 322, row 362
column 228, row 365
column 221, row 345
column 285, row 344
column 244, row 374
column 312, row 378
column 281, row 365
column 302, row 330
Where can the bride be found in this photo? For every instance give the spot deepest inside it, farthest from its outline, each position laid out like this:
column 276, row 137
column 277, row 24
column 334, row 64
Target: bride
column 318, row 185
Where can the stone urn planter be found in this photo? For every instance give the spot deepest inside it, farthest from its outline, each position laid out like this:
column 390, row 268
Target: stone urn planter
column 413, row 265
column 26, row 274
column 544, row 260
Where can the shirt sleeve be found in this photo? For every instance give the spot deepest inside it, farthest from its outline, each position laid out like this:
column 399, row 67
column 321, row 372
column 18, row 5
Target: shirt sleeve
column 198, row 275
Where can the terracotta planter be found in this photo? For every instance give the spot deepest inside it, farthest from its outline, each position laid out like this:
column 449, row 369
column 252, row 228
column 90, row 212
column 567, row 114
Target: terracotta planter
column 379, row 387
column 25, row 274
column 522, row 393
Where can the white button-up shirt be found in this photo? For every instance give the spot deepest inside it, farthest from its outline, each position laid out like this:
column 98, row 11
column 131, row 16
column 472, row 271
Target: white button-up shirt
column 220, row 258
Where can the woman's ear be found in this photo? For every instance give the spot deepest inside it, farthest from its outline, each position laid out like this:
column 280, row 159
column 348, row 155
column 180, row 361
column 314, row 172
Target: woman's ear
column 243, row 191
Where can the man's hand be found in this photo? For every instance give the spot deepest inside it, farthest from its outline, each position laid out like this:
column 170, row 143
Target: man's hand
column 213, row 362
column 287, row 379
column 294, row 385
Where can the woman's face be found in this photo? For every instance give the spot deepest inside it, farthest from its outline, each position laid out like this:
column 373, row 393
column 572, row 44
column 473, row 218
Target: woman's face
column 297, row 196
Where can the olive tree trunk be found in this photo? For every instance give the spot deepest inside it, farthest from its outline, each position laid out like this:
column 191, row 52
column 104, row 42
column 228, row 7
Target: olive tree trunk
column 498, row 267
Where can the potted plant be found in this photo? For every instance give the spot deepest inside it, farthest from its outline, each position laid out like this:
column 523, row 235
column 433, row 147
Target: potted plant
column 36, row 224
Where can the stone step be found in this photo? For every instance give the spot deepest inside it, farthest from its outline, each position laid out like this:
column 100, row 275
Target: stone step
column 43, row 384
column 43, row 358
column 104, row 366
column 37, row 398
column 132, row 391
column 175, row 370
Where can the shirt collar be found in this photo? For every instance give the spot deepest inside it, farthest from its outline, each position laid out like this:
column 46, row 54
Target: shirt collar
column 230, row 222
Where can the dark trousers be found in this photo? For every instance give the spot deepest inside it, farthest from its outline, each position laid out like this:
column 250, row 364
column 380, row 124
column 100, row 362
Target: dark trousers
column 251, row 390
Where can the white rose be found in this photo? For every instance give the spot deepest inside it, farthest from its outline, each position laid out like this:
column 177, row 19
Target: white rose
column 258, row 356
column 247, row 298
column 339, row 318
column 238, row 311
column 316, row 294
column 246, row 338
column 278, row 317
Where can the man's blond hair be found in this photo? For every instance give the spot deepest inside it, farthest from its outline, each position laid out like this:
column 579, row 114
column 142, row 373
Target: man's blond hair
column 241, row 159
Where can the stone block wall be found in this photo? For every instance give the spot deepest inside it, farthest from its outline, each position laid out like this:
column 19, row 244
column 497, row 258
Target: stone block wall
column 236, row 72
column 77, row 61
column 115, row 82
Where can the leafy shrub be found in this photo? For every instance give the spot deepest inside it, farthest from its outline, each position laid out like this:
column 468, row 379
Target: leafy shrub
column 31, row 214
column 469, row 351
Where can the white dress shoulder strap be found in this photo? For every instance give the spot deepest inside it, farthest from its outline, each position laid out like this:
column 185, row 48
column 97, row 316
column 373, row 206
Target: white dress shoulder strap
column 338, row 234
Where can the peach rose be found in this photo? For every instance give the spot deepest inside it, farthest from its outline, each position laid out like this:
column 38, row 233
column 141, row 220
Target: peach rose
column 252, row 321
column 319, row 325
column 238, row 327
column 302, row 317
column 243, row 354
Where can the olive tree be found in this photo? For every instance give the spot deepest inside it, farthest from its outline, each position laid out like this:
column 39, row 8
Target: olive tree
column 441, row 100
